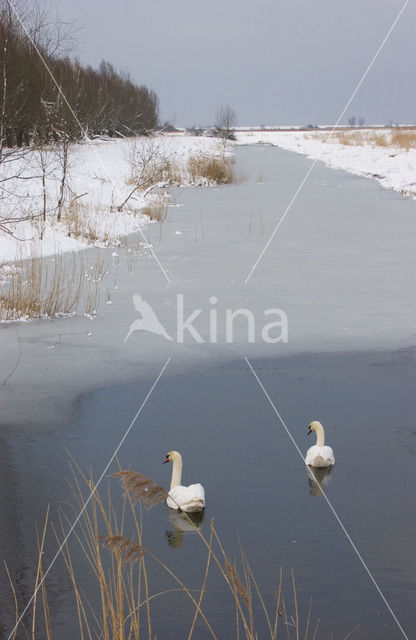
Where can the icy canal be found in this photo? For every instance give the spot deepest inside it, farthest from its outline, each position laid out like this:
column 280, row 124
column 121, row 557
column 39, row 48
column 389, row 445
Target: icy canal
column 326, row 321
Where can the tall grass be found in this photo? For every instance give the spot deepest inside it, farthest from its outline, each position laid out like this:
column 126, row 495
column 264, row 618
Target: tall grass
column 77, row 219
column 210, row 168
column 49, row 287
column 156, row 210
column 389, row 137
column 40, row 288
column 109, row 537
column 404, row 139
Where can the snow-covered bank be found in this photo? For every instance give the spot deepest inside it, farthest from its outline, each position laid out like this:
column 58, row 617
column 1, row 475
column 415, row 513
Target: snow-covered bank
column 99, row 180
column 370, row 153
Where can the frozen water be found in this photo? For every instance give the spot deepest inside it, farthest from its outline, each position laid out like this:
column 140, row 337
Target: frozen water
column 341, row 267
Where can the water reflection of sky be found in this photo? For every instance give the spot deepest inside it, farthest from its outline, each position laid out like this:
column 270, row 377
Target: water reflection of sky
column 255, row 483
column 328, row 270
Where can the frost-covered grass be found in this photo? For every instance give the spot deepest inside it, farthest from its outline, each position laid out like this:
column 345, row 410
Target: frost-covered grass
column 387, row 154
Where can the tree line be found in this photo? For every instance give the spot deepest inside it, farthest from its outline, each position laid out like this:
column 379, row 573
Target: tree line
column 32, row 108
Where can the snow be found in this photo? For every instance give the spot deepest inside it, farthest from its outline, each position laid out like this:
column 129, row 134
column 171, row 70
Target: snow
column 341, row 267
column 98, row 177
column 393, row 167
column 99, row 173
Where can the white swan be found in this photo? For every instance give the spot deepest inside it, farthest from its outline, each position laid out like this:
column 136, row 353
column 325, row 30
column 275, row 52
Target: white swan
column 189, row 499
column 319, row 455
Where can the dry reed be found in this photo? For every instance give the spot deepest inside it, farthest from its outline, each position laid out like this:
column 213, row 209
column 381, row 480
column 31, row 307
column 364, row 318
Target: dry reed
column 140, row 487
column 122, row 577
column 49, row 287
column 404, row 139
column 125, row 549
column 397, row 138
column 210, row 168
column 41, row 288
column 156, row 211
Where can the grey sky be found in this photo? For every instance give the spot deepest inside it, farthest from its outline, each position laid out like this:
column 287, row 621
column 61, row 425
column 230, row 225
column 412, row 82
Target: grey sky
column 274, row 61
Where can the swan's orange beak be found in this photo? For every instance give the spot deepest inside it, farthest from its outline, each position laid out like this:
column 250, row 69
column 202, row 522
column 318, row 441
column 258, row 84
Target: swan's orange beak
column 167, row 460
column 309, row 430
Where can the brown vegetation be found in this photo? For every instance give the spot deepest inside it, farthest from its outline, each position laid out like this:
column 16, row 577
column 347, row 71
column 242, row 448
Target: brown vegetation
column 76, row 219
column 122, row 577
column 44, row 288
column 389, row 137
column 216, row 169
column 36, row 288
column 156, row 211
column 403, row 139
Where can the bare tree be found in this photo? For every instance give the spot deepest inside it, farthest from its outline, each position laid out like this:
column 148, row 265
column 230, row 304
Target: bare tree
column 45, row 162
column 150, row 166
column 64, row 148
column 105, row 100
column 37, row 126
column 21, row 106
column 225, row 120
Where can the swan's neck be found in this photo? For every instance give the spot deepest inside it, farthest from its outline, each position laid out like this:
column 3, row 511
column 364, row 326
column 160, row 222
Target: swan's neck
column 320, row 435
column 176, row 471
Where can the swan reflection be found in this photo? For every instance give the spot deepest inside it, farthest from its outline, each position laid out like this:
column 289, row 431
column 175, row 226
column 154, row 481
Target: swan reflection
column 183, row 524
column 317, row 479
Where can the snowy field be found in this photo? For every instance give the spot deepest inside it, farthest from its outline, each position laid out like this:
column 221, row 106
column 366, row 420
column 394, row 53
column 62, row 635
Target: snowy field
column 371, row 153
column 99, row 181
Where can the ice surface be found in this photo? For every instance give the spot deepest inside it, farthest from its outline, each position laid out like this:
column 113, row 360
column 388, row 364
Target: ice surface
column 393, row 167
column 342, row 267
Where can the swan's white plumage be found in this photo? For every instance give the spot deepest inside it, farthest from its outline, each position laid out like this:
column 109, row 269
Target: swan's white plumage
column 189, row 499
column 319, row 455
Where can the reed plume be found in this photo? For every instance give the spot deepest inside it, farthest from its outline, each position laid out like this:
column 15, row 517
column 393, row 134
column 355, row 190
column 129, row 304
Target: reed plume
column 139, row 487
column 125, row 549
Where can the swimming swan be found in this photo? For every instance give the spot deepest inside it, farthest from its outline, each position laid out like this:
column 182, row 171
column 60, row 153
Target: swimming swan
column 319, row 455
column 189, row 499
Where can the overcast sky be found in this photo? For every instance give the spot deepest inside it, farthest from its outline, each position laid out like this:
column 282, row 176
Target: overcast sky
column 274, row 61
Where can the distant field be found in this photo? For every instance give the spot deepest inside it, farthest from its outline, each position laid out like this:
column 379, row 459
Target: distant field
column 373, row 127
column 400, row 138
